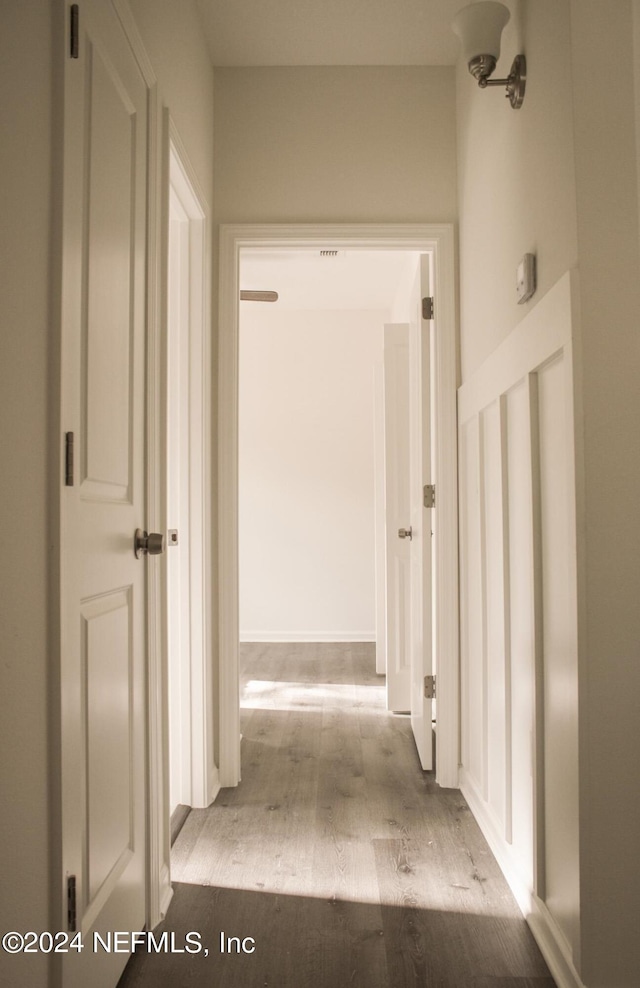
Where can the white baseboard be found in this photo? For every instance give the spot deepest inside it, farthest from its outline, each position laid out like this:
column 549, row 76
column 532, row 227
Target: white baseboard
column 166, row 891
column 553, row 946
column 547, row 934
column 213, row 787
column 269, row 637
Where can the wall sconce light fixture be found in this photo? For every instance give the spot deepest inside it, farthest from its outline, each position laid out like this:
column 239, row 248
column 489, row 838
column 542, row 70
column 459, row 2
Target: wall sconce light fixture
column 479, row 27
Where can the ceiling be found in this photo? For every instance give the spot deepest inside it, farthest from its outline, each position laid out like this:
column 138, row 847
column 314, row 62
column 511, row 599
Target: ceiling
column 306, row 280
column 330, row 32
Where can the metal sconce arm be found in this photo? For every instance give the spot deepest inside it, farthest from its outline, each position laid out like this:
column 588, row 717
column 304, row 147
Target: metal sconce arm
column 482, row 66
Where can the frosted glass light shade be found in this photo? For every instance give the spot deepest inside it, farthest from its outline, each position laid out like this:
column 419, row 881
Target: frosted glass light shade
column 479, row 27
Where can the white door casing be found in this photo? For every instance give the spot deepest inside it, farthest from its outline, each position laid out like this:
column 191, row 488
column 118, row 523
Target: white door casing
column 187, row 483
column 380, row 519
column 434, row 239
column 103, row 585
column 178, row 554
column 397, row 516
column 420, row 474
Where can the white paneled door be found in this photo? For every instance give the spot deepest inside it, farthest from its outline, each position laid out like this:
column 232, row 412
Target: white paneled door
column 408, row 469
column 397, row 515
column 103, row 619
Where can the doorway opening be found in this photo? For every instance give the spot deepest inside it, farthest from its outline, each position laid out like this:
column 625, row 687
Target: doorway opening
column 309, row 453
column 437, row 242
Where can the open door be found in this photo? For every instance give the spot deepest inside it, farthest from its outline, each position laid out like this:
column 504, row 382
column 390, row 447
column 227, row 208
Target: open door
column 103, row 583
column 420, row 477
column 398, row 534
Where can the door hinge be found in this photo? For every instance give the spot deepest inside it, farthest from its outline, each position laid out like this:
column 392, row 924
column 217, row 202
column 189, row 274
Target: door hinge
column 74, row 31
column 71, row 903
column 427, row 307
column 68, row 459
column 430, row 687
column 429, row 495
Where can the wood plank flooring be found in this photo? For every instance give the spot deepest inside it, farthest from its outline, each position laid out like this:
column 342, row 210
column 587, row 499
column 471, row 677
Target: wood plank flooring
column 342, row 860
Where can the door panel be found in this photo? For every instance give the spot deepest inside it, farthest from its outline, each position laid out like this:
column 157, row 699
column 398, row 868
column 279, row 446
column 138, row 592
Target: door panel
column 103, row 623
column 396, row 456
column 107, row 667
column 108, row 328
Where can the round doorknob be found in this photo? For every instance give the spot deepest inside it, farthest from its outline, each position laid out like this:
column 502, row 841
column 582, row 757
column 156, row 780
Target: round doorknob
column 152, row 543
column 405, row 533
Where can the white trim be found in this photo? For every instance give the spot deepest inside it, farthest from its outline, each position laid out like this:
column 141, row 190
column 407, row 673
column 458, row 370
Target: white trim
column 547, row 934
column 439, row 240
column 553, row 946
column 166, row 891
column 380, row 509
column 130, row 28
column 367, row 637
column 228, row 581
column 445, row 458
column 538, row 339
column 546, row 329
column 213, row 784
column 493, row 830
column 183, row 181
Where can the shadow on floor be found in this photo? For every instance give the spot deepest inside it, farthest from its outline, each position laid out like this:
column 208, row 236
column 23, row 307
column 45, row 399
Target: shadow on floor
column 306, row 942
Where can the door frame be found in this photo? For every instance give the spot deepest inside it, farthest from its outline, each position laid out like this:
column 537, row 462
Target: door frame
column 164, row 140
column 438, row 240
column 197, row 731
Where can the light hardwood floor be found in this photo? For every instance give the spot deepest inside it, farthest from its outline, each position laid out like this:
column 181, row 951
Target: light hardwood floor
column 343, row 860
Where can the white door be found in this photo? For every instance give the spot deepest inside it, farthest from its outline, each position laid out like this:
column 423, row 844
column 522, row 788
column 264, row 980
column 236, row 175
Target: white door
column 398, row 536
column 103, row 619
column 421, row 610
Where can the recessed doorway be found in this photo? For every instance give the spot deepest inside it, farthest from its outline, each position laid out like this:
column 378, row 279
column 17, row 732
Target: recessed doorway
column 438, row 242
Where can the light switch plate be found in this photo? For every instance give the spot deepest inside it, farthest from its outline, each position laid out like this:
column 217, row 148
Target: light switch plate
column 526, row 278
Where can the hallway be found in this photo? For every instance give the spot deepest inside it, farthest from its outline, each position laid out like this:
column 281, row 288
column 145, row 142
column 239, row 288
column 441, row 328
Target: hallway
column 342, row 861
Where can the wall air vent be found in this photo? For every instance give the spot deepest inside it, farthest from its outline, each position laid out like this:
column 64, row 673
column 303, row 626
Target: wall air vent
column 329, row 253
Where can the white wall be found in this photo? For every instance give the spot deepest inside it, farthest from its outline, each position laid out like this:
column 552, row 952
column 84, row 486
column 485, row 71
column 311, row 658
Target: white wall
column 339, row 144
column 517, row 194
column 560, row 177
column 307, row 565
column 605, row 123
column 516, row 181
column 25, row 341
column 172, row 35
